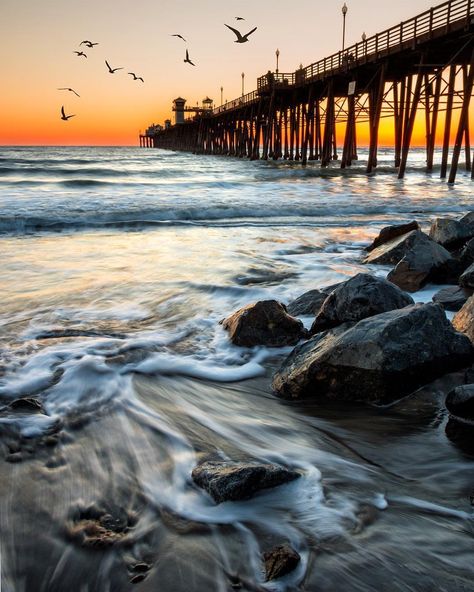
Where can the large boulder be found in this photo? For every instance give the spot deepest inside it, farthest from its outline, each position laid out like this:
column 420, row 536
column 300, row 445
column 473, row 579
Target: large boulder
column 393, row 250
column 308, row 303
column 390, row 232
column 463, row 320
column 362, row 296
column 451, row 233
column 231, row 481
column 382, row 358
column 264, row 323
column 279, row 561
column 460, row 402
column 452, row 298
column 466, row 254
column 425, row 260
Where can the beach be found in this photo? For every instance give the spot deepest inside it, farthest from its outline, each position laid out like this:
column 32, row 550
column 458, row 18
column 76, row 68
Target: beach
column 118, row 265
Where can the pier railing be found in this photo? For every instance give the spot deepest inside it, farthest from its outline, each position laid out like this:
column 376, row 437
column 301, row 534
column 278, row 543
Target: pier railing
column 440, row 19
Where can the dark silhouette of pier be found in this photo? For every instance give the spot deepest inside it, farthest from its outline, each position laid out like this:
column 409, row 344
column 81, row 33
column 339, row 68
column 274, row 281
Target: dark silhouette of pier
column 421, row 67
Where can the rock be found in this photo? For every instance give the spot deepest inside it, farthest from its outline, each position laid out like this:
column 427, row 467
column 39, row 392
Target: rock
column 390, row 232
column 463, row 320
column 460, row 402
column 101, row 526
column 468, row 218
column 425, row 250
column 467, row 278
column 27, row 405
column 280, row 561
column 466, row 255
column 231, row 481
column 362, row 296
column 422, row 262
column 264, row 323
column 452, row 298
column 308, row 303
column 381, row 358
column 450, row 233
column 461, row 434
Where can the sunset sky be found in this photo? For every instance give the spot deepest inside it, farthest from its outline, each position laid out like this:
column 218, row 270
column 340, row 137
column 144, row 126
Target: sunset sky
column 38, row 38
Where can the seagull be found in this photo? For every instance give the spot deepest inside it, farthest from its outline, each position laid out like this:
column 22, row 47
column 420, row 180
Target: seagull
column 70, row 89
column 241, row 38
column 80, row 53
column 239, row 18
column 178, row 35
column 65, row 117
column 187, row 60
column 88, row 43
column 112, row 70
column 135, row 77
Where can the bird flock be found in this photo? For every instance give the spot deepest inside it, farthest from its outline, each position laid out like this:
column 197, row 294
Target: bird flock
column 82, row 54
column 241, row 38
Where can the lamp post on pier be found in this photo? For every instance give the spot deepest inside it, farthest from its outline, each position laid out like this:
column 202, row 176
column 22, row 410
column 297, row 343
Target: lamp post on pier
column 364, row 41
column 243, row 78
column 222, row 94
column 277, row 53
column 344, row 12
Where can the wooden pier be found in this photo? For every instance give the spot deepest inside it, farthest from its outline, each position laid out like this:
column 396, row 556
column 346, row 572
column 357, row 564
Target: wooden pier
column 421, row 67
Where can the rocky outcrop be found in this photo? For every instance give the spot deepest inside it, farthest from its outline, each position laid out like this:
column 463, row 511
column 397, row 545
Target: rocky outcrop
column 451, row 233
column 231, row 481
column 463, row 321
column 280, row 561
column 452, row 298
column 27, row 405
column 264, row 323
column 308, row 303
column 382, row 358
column 390, row 232
column 362, row 296
column 393, row 250
column 460, row 402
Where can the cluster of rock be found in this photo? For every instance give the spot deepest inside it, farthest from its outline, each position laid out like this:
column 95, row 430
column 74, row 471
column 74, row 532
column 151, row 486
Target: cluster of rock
column 369, row 341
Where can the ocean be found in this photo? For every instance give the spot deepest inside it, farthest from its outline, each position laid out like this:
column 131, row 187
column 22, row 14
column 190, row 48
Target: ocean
column 117, row 266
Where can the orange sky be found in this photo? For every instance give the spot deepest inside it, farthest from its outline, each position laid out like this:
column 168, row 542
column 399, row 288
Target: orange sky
column 39, row 37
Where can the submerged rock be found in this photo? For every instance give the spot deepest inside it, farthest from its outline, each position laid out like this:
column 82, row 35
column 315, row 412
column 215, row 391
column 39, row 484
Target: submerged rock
column 231, row 481
column 460, row 402
column 27, row 405
column 390, row 232
column 451, row 233
column 308, row 303
column 362, row 296
column 264, row 323
column 280, row 561
column 381, row 358
column 452, row 298
column 463, row 320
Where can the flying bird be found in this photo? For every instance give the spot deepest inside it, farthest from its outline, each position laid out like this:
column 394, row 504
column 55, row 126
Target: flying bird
column 178, row 35
column 65, row 117
column 135, row 77
column 88, row 43
column 70, row 89
column 241, row 38
column 239, row 18
column 80, row 53
column 187, row 60
column 112, row 70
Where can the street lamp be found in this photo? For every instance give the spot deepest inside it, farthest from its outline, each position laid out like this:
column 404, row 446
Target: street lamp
column 222, row 91
column 243, row 77
column 277, row 53
column 364, row 41
column 344, row 12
